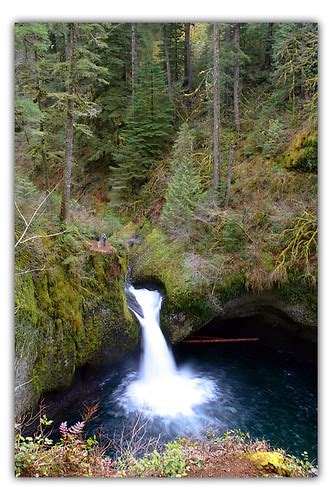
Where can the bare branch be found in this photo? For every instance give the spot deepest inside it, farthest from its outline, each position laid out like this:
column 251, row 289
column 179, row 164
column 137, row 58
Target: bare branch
column 33, row 270
column 24, row 383
column 33, row 215
column 42, row 236
column 19, row 211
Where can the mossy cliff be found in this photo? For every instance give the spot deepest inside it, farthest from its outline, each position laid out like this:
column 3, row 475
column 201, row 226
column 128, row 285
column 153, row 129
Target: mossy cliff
column 67, row 315
column 192, row 299
column 73, row 312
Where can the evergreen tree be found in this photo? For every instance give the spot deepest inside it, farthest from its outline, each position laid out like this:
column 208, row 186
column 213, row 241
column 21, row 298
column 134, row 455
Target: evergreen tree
column 111, row 97
column 216, row 101
column 32, row 45
column 147, row 131
column 184, row 189
column 65, row 202
column 177, row 54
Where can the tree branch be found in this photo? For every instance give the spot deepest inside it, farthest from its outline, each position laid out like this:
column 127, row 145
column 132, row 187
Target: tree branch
column 32, row 270
column 42, row 236
column 33, row 215
column 24, row 383
column 19, row 211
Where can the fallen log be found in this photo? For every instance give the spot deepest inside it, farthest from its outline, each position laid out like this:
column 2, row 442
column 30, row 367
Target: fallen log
column 216, row 340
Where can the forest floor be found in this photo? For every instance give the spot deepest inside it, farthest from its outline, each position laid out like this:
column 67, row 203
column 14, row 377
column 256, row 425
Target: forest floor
column 232, row 465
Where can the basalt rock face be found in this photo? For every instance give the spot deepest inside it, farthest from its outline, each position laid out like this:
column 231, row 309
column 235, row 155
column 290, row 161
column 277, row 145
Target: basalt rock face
column 75, row 314
column 275, row 311
column 66, row 319
column 268, row 307
column 290, row 307
column 191, row 300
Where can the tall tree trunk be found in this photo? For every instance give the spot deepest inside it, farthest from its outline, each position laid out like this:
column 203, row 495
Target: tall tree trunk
column 268, row 48
column 176, row 55
column 41, row 128
column 64, row 214
column 236, row 79
column 44, row 158
column 231, row 157
column 134, row 56
column 216, row 101
column 188, row 62
column 167, row 60
column 225, row 94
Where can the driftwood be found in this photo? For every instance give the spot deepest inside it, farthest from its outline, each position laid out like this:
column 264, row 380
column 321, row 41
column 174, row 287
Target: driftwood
column 210, row 340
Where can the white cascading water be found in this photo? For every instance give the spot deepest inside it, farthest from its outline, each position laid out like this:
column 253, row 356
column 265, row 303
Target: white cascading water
column 161, row 389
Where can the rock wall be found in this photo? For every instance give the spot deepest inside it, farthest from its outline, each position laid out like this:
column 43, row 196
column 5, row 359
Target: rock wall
column 74, row 313
column 66, row 317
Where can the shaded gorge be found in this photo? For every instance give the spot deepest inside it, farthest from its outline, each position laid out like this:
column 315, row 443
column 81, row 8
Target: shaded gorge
column 267, row 388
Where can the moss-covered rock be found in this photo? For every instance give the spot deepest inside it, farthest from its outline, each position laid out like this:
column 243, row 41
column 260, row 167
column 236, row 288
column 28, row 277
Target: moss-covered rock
column 303, row 152
column 189, row 304
column 270, row 461
column 71, row 314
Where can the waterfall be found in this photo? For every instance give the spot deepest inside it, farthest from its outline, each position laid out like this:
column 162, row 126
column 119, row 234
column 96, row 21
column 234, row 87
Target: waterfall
column 160, row 388
column 157, row 360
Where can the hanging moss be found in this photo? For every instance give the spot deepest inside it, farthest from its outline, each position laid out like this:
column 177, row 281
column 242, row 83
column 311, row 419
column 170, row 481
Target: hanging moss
column 303, row 152
column 78, row 307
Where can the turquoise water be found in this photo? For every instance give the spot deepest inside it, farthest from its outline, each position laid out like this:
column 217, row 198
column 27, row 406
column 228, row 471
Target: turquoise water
column 267, row 388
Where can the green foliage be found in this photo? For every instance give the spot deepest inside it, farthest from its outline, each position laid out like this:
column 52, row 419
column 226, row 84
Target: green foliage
column 27, row 449
column 25, row 191
column 171, row 462
column 200, row 252
column 184, row 189
column 76, row 456
column 175, row 35
column 233, row 236
column 273, row 138
column 162, row 259
column 42, row 80
column 39, row 456
column 231, row 288
column 300, row 465
column 295, row 59
column 147, row 131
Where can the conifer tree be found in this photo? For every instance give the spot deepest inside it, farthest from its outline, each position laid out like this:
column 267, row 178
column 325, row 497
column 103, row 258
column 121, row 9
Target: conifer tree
column 188, row 59
column 184, row 189
column 70, row 125
column 177, row 55
column 216, row 101
column 167, row 59
column 147, row 132
column 295, row 62
column 32, row 44
column 111, row 97
column 236, row 78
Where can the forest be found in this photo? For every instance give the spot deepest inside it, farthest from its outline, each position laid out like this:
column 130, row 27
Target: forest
column 181, row 156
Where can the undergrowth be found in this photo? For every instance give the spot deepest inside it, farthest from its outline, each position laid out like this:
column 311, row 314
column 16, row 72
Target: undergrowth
column 76, row 455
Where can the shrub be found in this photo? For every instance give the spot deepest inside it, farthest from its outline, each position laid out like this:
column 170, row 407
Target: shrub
column 233, row 236
column 172, row 462
column 72, row 456
column 274, row 137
